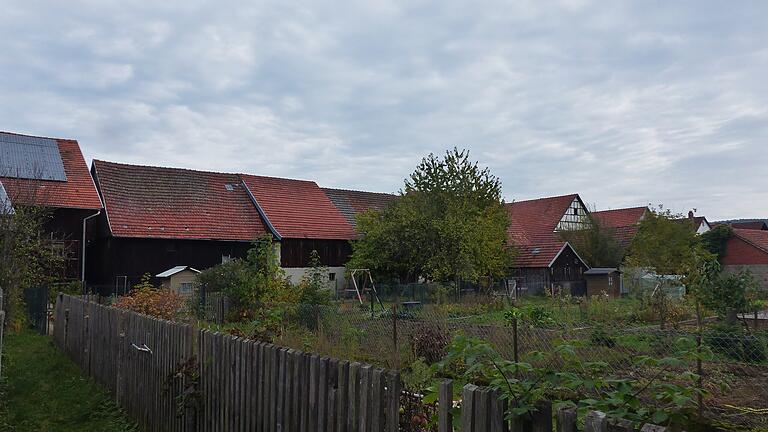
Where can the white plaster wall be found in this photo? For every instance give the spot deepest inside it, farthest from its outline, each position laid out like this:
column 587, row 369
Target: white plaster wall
column 296, row 273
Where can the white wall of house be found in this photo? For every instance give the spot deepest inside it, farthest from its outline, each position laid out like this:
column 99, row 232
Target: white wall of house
column 337, row 284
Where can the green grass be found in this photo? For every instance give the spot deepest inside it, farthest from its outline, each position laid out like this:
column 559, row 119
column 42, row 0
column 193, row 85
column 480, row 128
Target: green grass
column 42, row 390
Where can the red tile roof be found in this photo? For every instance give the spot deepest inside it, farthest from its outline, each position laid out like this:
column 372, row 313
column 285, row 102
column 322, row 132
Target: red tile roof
column 754, row 225
column 624, row 222
column 532, row 226
column 350, row 203
column 153, row 202
column 298, row 208
column 757, row 238
column 623, row 217
column 77, row 192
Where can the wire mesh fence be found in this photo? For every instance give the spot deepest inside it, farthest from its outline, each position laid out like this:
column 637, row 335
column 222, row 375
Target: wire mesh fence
column 735, row 373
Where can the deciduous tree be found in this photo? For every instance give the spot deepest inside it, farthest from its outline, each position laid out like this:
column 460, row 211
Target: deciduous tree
column 448, row 223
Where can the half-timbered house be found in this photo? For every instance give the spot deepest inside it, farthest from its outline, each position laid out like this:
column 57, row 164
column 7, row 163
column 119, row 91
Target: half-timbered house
column 543, row 259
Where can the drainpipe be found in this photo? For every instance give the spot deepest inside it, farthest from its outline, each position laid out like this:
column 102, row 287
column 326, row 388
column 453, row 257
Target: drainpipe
column 82, row 257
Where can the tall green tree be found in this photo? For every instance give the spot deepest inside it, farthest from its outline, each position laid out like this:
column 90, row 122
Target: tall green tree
column 596, row 244
column 448, row 223
column 665, row 243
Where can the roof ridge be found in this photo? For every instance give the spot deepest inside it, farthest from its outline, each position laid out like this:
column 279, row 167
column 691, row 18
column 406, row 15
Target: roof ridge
column 38, row 136
column 356, row 190
column 620, row 209
column 542, row 198
column 192, row 170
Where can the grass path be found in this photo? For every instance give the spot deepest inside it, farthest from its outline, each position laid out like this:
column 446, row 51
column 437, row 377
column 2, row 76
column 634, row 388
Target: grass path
column 42, row 390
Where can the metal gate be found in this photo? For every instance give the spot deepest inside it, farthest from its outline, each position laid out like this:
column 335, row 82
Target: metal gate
column 36, row 300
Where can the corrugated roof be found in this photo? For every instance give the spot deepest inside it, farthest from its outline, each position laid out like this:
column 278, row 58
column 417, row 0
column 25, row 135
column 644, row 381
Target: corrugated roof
column 154, row 202
column 601, row 270
column 30, row 157
column 350, row 203
column 78, row 191
column 172, row 271
column 298, row 208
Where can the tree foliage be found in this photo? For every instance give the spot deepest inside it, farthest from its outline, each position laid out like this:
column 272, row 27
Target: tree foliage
column 28, row 257
column 715, row 239
column 251, row 281
column 665, row 243
column 596, row 244
column 448, row 223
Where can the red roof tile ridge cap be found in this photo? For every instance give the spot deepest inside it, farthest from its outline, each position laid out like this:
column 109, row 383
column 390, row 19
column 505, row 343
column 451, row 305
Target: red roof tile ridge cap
column 620, row 209
column 358, row 191
column 541, row 199
column 278, row 178
column 122, row 164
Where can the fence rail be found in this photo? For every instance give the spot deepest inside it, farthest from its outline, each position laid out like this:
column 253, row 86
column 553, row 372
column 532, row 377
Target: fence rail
column 174, row 377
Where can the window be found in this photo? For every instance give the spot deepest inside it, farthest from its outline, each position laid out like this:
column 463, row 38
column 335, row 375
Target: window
column 185, row 288
column 610, row 280
column 331, row 276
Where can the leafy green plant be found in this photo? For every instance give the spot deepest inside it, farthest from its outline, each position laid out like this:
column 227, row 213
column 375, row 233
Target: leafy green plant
column 599, row 337
column 665, row 390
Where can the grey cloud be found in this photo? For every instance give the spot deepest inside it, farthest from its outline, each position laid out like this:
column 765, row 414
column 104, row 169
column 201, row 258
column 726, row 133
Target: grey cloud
column 626, row 103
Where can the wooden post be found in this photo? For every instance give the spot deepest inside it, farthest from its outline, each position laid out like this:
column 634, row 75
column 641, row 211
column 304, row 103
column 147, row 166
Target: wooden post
column 542, row 417
column 652, row 428
column 393, row 397
column 444, row 405
column 468, row 408
column 515, row 340
column 566, row 419
column 620, row 425
column 395, row 351
column 595, row 421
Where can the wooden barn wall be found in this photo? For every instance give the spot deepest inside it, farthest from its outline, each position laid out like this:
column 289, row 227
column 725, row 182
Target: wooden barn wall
column 568, row 267
column 132, row 257
column 296, row 252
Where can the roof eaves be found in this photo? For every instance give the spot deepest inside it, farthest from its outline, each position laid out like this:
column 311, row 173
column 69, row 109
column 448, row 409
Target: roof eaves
column 95, row 176
column 261, row 211
column 567, row 244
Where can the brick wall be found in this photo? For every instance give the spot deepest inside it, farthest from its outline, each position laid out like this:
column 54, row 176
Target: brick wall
column 739, row 252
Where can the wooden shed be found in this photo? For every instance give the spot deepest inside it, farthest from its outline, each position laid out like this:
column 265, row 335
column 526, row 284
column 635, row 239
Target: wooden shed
column 179, row 279
column 604, row 279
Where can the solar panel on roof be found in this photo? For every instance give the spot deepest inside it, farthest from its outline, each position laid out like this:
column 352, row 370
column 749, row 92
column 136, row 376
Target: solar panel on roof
column 30, row 158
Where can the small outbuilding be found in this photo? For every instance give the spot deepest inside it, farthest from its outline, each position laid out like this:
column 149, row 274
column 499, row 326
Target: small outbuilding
column 179, row 279
column 604, row 280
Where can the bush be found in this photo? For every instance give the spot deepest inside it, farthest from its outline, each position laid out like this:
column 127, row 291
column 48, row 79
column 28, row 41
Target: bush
column 429, row 344
column 148, row 300
column 599, row 337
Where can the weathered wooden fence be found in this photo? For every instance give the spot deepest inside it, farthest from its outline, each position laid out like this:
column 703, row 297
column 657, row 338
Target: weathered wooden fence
column 2, row 328
column 174, row 377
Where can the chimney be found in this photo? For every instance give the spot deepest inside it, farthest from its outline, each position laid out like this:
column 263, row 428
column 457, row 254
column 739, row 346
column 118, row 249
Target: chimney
column 690, row 214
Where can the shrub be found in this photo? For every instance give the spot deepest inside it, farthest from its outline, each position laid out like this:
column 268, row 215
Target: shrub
column 429, row 344
column 148, row 300
column 599, row 337
column 733, row 343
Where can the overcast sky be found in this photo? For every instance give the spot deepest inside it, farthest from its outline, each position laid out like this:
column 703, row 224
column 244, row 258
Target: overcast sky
column 624, row 103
